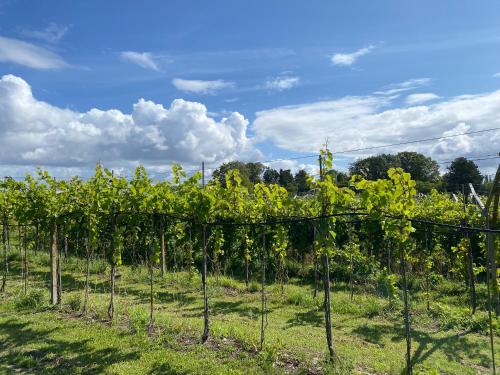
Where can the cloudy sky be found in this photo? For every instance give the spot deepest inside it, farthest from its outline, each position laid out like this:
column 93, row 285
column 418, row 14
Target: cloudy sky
column 157, row 82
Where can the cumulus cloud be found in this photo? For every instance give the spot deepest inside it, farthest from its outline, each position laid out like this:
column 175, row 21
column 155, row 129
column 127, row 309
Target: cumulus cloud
column 145, row 60
column 27, row 54
column 347, row 59
column 53, row 33
column 368, row 121
column 420, row 98
column 281, row 83
column 199, row 86
column 33, row 132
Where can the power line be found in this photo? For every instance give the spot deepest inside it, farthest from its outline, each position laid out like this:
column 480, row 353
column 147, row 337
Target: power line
column 415, row 141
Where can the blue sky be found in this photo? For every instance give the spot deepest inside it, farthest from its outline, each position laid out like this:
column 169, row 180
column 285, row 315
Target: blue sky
column 359, row 73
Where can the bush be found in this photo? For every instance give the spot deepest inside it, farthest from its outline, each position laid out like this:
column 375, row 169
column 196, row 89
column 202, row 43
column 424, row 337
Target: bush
column 33, row 300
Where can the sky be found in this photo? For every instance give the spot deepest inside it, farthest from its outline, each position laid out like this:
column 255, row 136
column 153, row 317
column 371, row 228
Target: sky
column 156, row 82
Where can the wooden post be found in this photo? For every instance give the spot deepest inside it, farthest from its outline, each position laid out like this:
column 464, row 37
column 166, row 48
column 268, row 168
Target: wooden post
column 53, row 262
column 5, row 242
column 409, row 369
column 162, row 247
column 263, row 311
column 326, row 278
column 206, row 321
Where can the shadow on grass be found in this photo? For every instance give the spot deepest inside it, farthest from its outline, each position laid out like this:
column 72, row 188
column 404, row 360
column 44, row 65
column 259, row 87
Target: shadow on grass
column 455, row 346
column 226, row 307
column 165, row 369
column 181, row 298
column 312, row 317
column 54, row 356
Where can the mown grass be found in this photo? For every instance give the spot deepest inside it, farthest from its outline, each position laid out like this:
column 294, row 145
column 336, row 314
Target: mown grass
column 368, row 331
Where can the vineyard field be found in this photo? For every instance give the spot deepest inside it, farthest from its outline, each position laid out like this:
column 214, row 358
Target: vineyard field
column 369, row 336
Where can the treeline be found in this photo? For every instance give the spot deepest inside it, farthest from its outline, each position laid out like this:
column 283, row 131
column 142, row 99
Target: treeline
column 424, row 170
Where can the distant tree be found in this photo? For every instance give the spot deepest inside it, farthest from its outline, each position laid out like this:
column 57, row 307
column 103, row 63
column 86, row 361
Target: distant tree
column 421, row 167
column 255, row 171
column 340, row 177
column 271, row 176
column 250, row 173
column 373, row 167
column 461, row 172
column 301, row 181
column 287, row 181
column 286, row 177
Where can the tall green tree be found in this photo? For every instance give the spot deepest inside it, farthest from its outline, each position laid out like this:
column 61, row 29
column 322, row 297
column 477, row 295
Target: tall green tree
column 462, row 172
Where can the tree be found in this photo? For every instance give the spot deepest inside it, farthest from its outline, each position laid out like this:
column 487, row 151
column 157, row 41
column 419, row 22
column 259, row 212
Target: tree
column 462, row 172
column 286, row 180
column 250, row 173
column 373, row 167
column 301, row 182
column 271, row 176
column 423, row 169
column 420, row 167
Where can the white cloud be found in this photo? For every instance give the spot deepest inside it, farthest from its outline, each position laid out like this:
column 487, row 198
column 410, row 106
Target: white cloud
column 199, row 86
column 367, row 121
column 420, row 98
column 347, row 59
column 281, row 83
column 496, row 75
column 53, row 33
column 27, row 54
column 33, row 132
column 145, row 60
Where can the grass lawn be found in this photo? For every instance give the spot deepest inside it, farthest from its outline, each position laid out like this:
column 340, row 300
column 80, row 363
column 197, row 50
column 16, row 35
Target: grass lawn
column 368, row 331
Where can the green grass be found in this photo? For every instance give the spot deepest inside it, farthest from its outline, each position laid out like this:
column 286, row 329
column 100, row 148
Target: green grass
column 368, row 331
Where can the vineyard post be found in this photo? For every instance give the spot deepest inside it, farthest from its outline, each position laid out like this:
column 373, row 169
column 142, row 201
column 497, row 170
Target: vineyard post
column 37, row 237
column 5, row 239
column 53, row 255
column 470, row 260
column 263, row 289
column 489, row 282
column 87, row 269
column 5, row 236
column 409, row 369
column 162, row 246
column 326, row 276
column 25, row 260
column 315, row 260
column 58, row 264
column 111, row 307
column 206, row 328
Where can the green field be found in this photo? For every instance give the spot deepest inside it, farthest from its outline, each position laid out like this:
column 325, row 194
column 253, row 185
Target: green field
column 368, row 331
